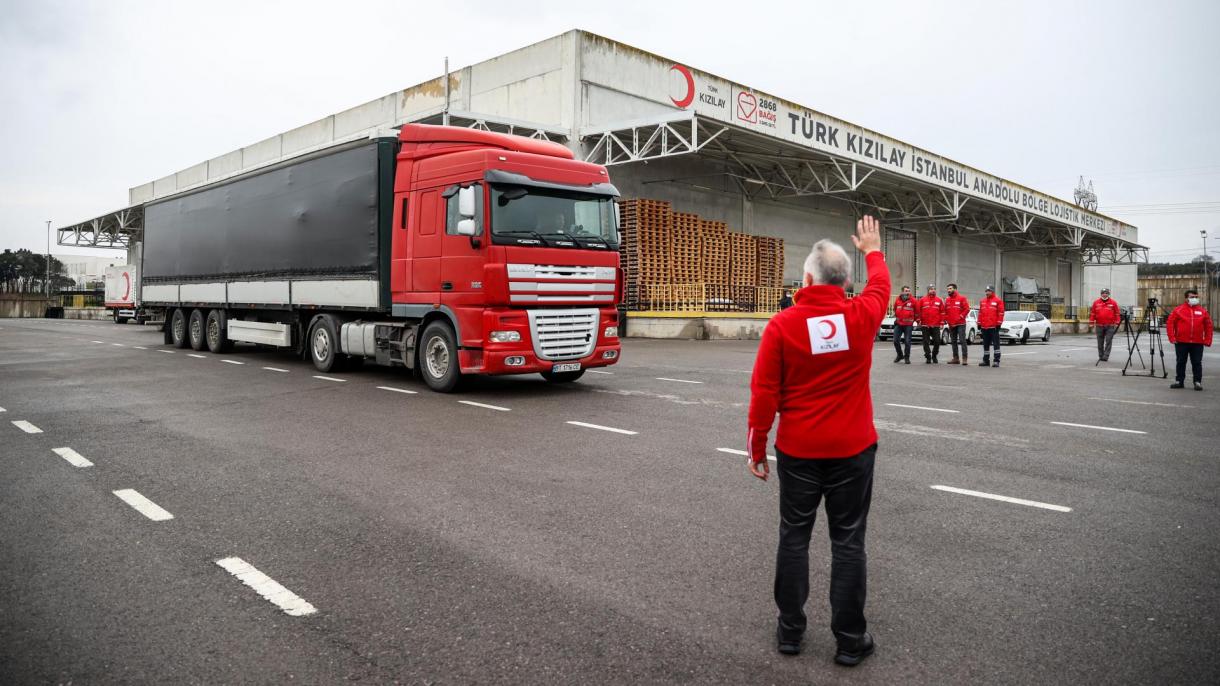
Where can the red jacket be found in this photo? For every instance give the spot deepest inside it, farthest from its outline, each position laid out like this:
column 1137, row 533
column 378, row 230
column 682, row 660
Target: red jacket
column 1189, row 324
column 931, row 311
column 904, row 311
column 956, row 309
column 991, row 312
column 812, row 368
column 1104, row 312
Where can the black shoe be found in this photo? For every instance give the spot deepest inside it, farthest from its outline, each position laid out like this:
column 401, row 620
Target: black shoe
column 908, row 360
column 898, row 359
column 786, row 646
column 996, row 363
column 934, row 360
column 985, row 363
column 850, row 657
column 927, row 360
column 1176, row 384
column 1198, row 385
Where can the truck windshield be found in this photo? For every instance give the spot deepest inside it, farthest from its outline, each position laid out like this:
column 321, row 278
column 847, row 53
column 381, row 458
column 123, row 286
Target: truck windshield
column 526, row 215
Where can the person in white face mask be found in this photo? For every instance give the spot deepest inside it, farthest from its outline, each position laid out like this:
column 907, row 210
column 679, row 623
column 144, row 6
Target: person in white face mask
column 1189, row 328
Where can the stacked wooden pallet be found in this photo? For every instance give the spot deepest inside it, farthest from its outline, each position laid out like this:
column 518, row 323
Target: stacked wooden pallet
column 714, row 252
column 770, row 262
column 687, row 240
column 647, row 227
column 743, row 260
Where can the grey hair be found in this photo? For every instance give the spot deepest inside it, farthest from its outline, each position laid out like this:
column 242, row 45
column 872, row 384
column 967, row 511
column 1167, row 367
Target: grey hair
column 828, row 264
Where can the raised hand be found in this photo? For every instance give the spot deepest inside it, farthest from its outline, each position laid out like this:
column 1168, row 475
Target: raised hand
column 868, row 234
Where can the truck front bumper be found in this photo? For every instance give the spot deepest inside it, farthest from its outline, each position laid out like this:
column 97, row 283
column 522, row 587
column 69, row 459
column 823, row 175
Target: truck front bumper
column 496, row 362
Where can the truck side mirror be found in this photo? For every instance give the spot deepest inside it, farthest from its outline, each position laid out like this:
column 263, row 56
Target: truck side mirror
column 467, row 227
column 466, row 203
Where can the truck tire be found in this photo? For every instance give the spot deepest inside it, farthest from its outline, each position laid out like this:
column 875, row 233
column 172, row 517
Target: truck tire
column 438, row 358
column 195, row 330
column 177, row 329
column 323, row 344
column 118, row 319
column 562, row 377
column 216, row 333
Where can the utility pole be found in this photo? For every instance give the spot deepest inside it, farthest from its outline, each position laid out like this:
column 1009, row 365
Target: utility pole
column 48, row 279
column 1207, row 283
column 445, row 114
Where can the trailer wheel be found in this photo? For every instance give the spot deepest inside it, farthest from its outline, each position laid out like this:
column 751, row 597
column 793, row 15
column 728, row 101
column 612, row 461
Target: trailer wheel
column 195, row 330
column 562, row 377
column 177, row 329
column 438, row 358
column 323, row 344
column 216, row 333
column 118, row 319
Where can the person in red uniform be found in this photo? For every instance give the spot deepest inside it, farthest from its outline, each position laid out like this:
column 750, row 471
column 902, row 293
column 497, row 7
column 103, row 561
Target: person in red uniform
column 813, row 368
column 991, row 315
column 931, row 316
column 905, row 314
column 1189, row 327
column 956, row 309
column 1104, row 317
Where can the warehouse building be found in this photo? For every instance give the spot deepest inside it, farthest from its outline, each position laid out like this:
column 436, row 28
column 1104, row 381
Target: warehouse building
column 731, row 154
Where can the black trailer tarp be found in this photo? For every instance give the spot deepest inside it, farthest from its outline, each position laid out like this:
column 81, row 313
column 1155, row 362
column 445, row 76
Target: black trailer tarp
column 316, row 216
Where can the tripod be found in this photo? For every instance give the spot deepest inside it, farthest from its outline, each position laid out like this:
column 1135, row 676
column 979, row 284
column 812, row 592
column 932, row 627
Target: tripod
column 1152, row 326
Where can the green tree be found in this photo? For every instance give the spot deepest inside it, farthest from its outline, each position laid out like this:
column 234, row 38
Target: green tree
column 23, row 271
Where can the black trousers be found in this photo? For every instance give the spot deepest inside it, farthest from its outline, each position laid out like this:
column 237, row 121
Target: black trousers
column 1193, row 352
column 847, row 486
column 931, row 336
column 1105, row 339
column 902, row 335
column 991, row 338
column 958, row 334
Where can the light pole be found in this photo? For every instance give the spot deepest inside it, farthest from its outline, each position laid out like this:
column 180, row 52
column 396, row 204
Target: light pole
column 1207, row 284
column 48, row 258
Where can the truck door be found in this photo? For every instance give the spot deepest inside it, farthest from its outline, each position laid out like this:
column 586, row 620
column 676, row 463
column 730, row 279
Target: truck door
column 426, row 244
column 462, row 257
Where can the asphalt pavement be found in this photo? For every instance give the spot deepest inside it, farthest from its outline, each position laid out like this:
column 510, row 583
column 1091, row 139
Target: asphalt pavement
column 168, row 516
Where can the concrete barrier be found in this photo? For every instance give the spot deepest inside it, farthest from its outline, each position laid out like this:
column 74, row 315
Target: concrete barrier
column 703, row 327
column 14, row 305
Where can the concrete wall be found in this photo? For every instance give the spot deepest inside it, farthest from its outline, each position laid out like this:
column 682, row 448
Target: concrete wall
column 1120, row 279
column 20, row 305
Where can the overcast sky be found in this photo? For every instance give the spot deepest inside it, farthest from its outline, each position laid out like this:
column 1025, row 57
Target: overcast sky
column 103, row 96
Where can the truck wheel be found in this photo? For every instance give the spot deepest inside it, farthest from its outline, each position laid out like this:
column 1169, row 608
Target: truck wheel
column 118, row 319
column 195, row 333
column 216, row 333
column 562, row 377
column 323, row 344
column 438, row 358
column 177, row 329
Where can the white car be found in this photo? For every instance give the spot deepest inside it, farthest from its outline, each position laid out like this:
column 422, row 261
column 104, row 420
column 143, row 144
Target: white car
column 972, row 329
column 1022, row 326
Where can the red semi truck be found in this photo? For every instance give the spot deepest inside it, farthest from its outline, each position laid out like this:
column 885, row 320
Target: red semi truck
column 449, row 251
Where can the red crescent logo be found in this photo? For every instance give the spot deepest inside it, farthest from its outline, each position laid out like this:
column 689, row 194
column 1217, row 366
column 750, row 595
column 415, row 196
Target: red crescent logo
column 833, row 329
column 690, row 87
column 127, row 280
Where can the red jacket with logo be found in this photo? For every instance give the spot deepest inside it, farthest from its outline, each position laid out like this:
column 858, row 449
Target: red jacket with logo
column 812, row 368
column 956, row 309
column 991, row 312
column 1104, row 312
column 931, row 311
column 904, row 311
column 1189, row 324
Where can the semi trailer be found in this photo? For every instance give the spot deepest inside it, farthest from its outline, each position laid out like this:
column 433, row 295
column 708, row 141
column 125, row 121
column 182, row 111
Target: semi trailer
column 122, row 293
column 448, row 251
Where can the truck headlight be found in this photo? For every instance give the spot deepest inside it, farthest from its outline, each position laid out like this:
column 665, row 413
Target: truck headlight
column 505, row 336
column 610, row 332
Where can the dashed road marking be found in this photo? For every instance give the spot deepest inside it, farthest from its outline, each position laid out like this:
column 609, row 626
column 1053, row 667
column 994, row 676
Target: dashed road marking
column 597, row 371
column 27, row 427
column 920, row 407
column 102, row 342
column 194, row 355
column 1003, row 498
column 397, row 390
column 485, row 406
column 143, row 505
column 3, row 410
column 232, row 362
column 599, row 427
column 268, row 588
column 276, row 369
column 1130, row 402
column 163, row 350
column 733, row 451
column 139, row 347
column 74, row 458
column 1100, row 428
column 119, row 345
column 329, row 378
column 1068, row 350
column 664, row 378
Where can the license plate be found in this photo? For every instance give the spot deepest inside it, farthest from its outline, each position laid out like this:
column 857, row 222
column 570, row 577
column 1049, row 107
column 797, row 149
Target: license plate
column 566, row 367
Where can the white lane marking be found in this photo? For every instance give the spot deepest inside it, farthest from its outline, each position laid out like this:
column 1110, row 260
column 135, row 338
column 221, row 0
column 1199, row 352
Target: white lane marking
column 291, row 603
column 664, row 378
column 1100, row 428
column 1003, row 498
column 120, row 345
column 597, row 371
column 74, row 458
column 397, row 390
column 162, row 350
column 1130, row 402
column 139, row 347
column 743, row 453
column 485, row 406
column 1028, row 352
column 276, row 369
column 27, row 427
column 329, row 378
column 604, row 428
column 143, row 505
column 1068, row 350
column 232, row 362
column 919, row 407
column 194, row 355
column 3, row 410
column 102, row 342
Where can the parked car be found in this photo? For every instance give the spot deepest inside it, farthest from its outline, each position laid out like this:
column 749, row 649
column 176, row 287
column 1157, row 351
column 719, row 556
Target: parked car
column 1022, row 326
column 886, row 332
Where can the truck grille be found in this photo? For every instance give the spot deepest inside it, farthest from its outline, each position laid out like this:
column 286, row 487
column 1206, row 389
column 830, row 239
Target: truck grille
column 563, row 334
